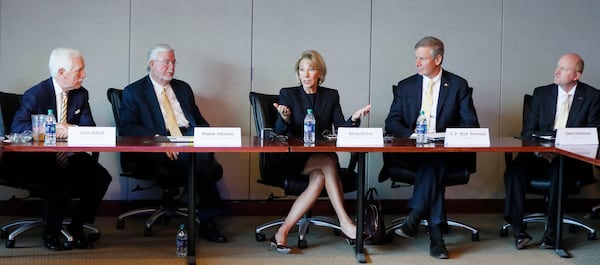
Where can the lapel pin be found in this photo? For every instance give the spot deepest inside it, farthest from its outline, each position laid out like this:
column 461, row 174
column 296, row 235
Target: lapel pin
column 77, row 111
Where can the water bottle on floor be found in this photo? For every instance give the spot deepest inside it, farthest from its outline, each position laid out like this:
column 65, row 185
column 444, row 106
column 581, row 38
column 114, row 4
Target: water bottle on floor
column 182, row 239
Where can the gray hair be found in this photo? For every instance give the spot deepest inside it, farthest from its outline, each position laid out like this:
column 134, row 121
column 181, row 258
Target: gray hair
column 62, row 58
column 436, row 45
column 161, row 47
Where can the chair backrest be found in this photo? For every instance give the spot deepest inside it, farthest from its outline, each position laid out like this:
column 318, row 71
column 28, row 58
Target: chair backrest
column 264, row 112
column 9, row 103
column 265, row 116
column 114, row 97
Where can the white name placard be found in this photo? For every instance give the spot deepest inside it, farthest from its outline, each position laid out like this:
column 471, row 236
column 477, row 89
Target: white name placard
column 582, row 150
column 359, row 137
column 217, row 136
column 92, row 136
column 467, row 137
column 576, row 136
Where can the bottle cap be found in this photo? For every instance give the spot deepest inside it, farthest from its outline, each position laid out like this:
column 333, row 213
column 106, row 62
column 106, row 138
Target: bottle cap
column 309, row 111
column 50, row 111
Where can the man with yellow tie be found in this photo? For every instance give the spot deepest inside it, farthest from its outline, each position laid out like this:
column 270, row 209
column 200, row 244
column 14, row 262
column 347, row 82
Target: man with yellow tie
column 446, row 100
column 567, row 102
column 160, row 105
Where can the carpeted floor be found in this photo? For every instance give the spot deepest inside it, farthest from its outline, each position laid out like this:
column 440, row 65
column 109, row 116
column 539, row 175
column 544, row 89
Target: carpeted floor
column 129, row 246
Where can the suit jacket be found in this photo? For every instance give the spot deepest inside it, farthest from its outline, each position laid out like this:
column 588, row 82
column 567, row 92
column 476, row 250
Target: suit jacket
column 454, row 109
column 326, row 108
column 41, row 97
column 140, row 111
column 584, row 112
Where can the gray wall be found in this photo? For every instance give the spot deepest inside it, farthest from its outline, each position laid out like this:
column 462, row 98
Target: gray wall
column 227, row 48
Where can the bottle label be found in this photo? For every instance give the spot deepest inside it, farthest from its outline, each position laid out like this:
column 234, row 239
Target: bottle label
column 309, row 127
column 181, row 243
column 421, row 128
column 50, row 128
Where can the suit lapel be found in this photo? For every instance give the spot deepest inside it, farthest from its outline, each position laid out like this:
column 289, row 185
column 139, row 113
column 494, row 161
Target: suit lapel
column 576, row 105
column 152, row 100
column 443, row 95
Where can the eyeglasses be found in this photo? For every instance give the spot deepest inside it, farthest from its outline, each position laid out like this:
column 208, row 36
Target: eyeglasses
column 167, row 62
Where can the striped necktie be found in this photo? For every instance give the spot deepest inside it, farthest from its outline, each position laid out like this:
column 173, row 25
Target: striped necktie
column 428, row 101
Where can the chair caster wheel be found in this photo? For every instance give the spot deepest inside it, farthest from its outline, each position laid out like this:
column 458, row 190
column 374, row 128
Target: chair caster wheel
column 67, row 245
column 120, row 224
column 10, row 244
column 302, row 243
column 475, row 237
column 503, row 232
column 591, row 236
column 260, row 237
column 148, row 231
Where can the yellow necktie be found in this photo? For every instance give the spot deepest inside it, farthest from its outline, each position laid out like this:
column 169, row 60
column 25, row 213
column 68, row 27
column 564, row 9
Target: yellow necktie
column 63, row 110
column 171, row 122
column 428, row 102
column 561, row 119
column 62, row 158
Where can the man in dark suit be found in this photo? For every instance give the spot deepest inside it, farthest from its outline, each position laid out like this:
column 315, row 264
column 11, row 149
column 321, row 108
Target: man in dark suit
column 581, row 105
column 146, row 111
column 64, row 176
column 446, row 100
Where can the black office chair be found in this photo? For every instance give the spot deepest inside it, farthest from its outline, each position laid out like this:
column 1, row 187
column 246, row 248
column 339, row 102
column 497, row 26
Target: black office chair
column 541, row 186
column 168, row 206
column 401, row 176
column 9, row 103
column 264, row 117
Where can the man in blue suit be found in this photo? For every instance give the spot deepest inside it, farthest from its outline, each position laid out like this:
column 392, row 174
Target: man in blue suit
column 159, row 105
column 63, row 176
column 446, row 100
column 581, row 105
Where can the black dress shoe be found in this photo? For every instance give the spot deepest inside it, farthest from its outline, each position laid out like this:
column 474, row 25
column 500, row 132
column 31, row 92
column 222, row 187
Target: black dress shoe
column 80, row 240
column 437, row 249
column 208, row 231
column 522, row 239
column 548, row 242
column 407, row 230
column 51, row 242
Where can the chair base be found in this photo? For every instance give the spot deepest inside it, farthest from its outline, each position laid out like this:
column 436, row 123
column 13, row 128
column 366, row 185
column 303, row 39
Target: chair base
column 575, row 225
column 451, row 223
column 303, row 227
column 155, row 213
column 595, row 213
column 23, row 225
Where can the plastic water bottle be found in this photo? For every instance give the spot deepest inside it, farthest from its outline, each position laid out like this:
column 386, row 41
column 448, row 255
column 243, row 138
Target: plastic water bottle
column 182, row 239
column 309, row 128
column 421, row 128
column 50, row 129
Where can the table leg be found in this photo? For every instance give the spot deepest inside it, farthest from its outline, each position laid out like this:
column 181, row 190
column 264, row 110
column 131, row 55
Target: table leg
column 191, row 258
column 559, row 212
column 360, row 197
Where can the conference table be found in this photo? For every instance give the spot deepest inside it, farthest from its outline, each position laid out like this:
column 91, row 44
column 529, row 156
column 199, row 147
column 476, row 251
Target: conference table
column 256, row 145
column 152, row 145
column 405, row 145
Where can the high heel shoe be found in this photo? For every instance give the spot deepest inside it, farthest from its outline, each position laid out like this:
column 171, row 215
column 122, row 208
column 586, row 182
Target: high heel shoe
column 350, row 241
column 281, row 248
